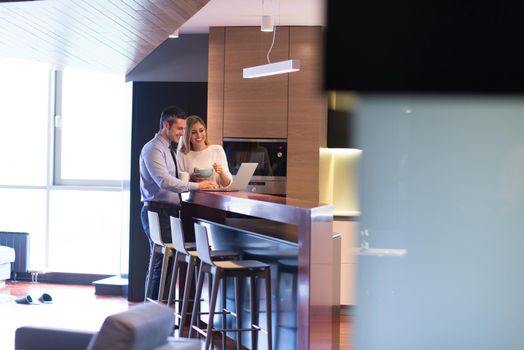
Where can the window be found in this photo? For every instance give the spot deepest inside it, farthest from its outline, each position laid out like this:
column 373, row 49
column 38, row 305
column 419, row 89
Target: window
column 64, row 145
column 91, row 123
column 23, row 123
column 85, row 231
column 25, row 210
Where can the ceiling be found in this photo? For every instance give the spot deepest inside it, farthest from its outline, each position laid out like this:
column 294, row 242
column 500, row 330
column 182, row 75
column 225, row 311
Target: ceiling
column 223, row 13
column 116, row 35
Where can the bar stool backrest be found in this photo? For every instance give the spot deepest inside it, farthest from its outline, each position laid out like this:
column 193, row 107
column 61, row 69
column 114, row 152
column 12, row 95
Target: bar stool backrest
column 202, row 244
column 154, row 227
column 177, row 235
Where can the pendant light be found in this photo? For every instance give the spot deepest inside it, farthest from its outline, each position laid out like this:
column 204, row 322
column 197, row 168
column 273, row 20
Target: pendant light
column 280, row 67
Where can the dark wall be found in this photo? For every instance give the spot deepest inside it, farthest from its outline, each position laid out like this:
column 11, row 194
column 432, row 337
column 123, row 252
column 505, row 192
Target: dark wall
column 149, row 98
column 425, row 46
column 182, row 59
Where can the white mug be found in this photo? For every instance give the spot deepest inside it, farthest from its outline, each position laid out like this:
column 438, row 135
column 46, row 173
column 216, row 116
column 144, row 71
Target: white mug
column 184, row 176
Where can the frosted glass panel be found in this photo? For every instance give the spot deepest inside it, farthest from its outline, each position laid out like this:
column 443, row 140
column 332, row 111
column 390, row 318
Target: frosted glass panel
column 85, row 231
column 443, row 178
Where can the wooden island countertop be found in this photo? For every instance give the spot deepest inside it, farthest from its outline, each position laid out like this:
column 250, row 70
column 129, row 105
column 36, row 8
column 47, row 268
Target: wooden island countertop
column 307, row 225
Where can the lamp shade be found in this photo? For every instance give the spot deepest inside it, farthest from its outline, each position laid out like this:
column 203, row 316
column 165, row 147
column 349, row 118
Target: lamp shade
column 264, row 70
column 266, row 24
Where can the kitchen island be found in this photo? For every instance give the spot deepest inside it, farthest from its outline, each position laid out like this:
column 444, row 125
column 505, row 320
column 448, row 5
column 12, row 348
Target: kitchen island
column 296, row 238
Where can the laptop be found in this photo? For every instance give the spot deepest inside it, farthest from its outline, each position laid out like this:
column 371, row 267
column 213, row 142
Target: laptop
column 241, row 179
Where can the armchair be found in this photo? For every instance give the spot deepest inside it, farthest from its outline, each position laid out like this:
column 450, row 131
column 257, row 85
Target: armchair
column 147, row 326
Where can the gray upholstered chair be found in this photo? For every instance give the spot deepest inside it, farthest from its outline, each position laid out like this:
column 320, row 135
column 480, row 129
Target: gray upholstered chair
column 145, row 326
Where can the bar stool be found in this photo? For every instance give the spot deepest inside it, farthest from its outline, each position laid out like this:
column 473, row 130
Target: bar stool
column 184, row 253
column 218, row 272
column 159, row 247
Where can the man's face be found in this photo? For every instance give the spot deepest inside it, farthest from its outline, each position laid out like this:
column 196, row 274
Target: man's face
column 176, row 130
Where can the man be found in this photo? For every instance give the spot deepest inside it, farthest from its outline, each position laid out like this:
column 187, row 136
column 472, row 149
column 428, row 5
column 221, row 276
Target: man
column 159, row 184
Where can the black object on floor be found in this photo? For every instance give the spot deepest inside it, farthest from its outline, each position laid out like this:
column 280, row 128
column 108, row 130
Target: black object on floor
column 27, row 300
column 114, row 285
column 45, row 299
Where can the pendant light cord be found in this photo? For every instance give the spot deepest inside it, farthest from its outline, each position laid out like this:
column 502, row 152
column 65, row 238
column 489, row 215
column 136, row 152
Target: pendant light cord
column 274, row 33
column 272, row 43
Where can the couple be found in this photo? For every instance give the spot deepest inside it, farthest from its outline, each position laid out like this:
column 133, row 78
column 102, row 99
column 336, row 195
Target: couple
column 159, row 168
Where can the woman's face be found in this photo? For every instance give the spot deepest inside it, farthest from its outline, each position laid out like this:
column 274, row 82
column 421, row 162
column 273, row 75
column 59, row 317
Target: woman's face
column 198, row 135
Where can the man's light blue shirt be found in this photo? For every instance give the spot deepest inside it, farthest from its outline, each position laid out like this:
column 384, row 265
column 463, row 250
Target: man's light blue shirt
column 158, row 181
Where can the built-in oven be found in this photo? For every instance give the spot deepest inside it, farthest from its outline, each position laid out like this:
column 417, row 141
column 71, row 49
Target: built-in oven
column 271, row 156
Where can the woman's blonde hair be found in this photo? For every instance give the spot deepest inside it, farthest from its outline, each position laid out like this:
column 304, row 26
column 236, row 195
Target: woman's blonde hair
column 186, row 142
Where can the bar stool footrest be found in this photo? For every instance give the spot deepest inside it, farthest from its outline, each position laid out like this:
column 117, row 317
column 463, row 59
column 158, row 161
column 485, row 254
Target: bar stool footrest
column 229, row 330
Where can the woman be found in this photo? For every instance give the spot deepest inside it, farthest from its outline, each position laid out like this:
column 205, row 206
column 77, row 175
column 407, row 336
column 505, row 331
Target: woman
column 197, row 154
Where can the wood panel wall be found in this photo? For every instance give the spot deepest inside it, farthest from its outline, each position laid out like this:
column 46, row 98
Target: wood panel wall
column 215, row 97
column 307, row 116
column 255, row 107
column 291, row 106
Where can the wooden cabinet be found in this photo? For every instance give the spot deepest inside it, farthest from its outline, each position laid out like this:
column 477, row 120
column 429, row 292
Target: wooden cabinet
column 307, row 114
column 290, row 106
column 238, row 107
column 215, row 85
column 254, row 107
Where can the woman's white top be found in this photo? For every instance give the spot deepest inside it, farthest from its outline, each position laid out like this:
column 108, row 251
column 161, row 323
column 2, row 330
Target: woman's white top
column 204, row 159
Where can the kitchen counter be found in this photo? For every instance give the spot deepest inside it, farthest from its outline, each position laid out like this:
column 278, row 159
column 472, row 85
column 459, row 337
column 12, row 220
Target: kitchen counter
column 274, row 225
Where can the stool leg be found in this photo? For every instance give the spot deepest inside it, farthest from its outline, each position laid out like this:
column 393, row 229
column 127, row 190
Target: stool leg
column 174, row 276
column 254, row 312
column 223, row 307
column 195, row 317
column 267, row 277
column 238, row 311
column 148, row 292
column 187, row 290
column 163, row 274
column 212, row 305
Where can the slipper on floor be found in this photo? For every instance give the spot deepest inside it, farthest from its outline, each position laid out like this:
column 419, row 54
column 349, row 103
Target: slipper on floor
column 25, row 300
column 45, row 299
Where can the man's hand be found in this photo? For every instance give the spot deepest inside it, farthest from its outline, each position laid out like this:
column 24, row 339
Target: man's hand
column 195, row 178
column 206, row 184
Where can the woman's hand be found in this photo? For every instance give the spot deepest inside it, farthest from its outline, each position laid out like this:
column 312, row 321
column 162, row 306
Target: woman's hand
column 218, row 168
column 196, row 176
column 223, row 177
column 206, row 184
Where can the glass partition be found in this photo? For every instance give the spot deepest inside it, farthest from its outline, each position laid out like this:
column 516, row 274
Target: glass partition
column 442, row 181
